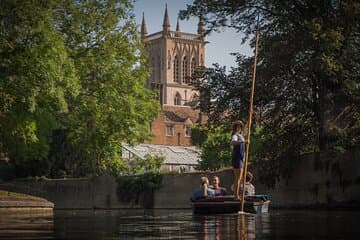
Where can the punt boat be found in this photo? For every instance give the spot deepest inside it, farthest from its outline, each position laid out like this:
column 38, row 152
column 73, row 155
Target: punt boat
column 256, row 204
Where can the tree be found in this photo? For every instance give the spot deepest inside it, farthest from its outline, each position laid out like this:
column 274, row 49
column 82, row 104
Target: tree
column 113, row 104
column 307, row 92
column 36, row 77
column 78, row 67
column 215, row 147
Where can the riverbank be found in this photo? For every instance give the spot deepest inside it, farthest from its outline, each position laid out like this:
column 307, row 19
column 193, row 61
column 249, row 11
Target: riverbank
column 18, row 202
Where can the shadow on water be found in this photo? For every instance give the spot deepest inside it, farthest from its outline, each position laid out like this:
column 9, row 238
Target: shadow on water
column 181, row 224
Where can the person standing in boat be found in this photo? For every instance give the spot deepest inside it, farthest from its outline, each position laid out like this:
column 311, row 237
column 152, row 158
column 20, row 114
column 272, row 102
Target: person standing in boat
column 219, row 191
column 203, row 191
column 237, row 155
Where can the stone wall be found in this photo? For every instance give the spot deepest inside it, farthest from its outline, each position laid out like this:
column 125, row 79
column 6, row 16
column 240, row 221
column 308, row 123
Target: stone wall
column 325, row 181
column 96, row 193
column 334, row 182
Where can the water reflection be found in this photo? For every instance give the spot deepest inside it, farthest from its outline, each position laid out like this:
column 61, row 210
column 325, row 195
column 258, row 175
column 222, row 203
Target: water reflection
column 26, row 225
column 157, row 225
column 172, row 224
column 235, row 226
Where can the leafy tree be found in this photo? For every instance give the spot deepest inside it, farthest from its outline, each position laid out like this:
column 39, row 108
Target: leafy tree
column 215, row 146
column 113, row 105
column 215, row 151
column 149, row 163
column 36, row 77
column 199, row 134
column 308, row 90
column 74, row 66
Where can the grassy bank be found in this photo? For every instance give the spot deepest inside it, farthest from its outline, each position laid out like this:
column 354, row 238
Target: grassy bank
column 6, row 195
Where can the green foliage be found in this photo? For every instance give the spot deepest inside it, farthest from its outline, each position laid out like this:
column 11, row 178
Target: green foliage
column 36, row 76
column 148, row 164
column 307, row 84
column 132, row 188
column 215, row 149
column 76, row 67
column 113, row 105
column 199, row 134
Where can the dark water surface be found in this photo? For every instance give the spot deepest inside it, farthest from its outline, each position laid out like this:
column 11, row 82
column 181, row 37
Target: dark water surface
column 181, row 224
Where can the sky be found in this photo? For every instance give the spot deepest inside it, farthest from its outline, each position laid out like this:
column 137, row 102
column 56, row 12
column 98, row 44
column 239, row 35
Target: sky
column 220, row 44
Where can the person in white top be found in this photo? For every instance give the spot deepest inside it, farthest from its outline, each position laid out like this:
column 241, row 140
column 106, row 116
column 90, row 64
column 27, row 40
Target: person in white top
column 237, row 155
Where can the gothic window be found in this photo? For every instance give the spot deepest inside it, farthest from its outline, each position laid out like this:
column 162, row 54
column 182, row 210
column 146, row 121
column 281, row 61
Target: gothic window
column 169, row 130
column 177, row 99
column 159, row 69
column 152, row 64
column 187, row 131
column 185, row 67
column 169, row 60
column 193, row 65
column 176, row 70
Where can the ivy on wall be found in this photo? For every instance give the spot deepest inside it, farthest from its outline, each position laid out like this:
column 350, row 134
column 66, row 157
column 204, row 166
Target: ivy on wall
column 138, row 188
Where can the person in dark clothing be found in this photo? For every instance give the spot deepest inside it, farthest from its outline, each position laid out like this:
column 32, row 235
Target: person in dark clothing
column 237, row 155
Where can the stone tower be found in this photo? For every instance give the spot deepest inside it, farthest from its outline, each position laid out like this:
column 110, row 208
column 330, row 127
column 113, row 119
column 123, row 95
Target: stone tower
column 173, row 57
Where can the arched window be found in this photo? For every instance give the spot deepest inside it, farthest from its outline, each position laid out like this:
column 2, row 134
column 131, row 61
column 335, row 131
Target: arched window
column 152, row 65
column 193, row 65
column 159, row 69
column 177, row 99
column 169, row 60
column 176, row 70
column 187, row 131
column 185, row 73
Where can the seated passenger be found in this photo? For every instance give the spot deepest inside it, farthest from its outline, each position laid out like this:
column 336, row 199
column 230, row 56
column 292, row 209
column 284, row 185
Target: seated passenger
column 219, row 191
column 249, row 188
column 203, row 191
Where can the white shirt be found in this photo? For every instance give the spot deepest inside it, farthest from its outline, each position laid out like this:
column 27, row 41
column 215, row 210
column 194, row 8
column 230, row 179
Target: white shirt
column 237, row 138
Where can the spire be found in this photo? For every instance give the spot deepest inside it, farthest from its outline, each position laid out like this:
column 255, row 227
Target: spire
column 166, row 23
column 201, row 26
column 143, row 27
column 177, row 33
column 177, row 25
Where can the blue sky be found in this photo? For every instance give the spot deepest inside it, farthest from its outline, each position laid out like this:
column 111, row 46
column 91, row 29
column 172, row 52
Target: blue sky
column 220, row 44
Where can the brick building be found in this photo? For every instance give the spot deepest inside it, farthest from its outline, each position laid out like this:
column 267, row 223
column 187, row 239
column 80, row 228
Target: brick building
column 173, row 57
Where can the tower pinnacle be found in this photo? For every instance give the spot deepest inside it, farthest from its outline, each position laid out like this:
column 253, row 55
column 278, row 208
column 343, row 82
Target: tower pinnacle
column 177, row 33
column 201, row 26
column 177, row 25
column 166, row 23
column 143, row 27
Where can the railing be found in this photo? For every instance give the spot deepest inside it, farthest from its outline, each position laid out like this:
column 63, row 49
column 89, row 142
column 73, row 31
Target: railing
column 174, row 34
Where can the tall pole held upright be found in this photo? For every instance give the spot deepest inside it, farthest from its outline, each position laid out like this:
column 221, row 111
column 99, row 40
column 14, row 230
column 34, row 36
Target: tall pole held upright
column 250, row 118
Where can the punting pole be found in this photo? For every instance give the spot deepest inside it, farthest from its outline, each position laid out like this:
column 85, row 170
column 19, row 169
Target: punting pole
column 250, row 118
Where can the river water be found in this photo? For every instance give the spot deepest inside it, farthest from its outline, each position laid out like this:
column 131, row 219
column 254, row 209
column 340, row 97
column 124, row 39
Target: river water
column 181, row 224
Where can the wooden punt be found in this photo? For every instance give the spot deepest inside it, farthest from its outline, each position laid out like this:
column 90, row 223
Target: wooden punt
column 227, row 204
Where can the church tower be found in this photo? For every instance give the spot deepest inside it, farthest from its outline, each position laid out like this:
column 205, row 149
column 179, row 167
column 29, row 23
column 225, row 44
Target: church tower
column 173, row 57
